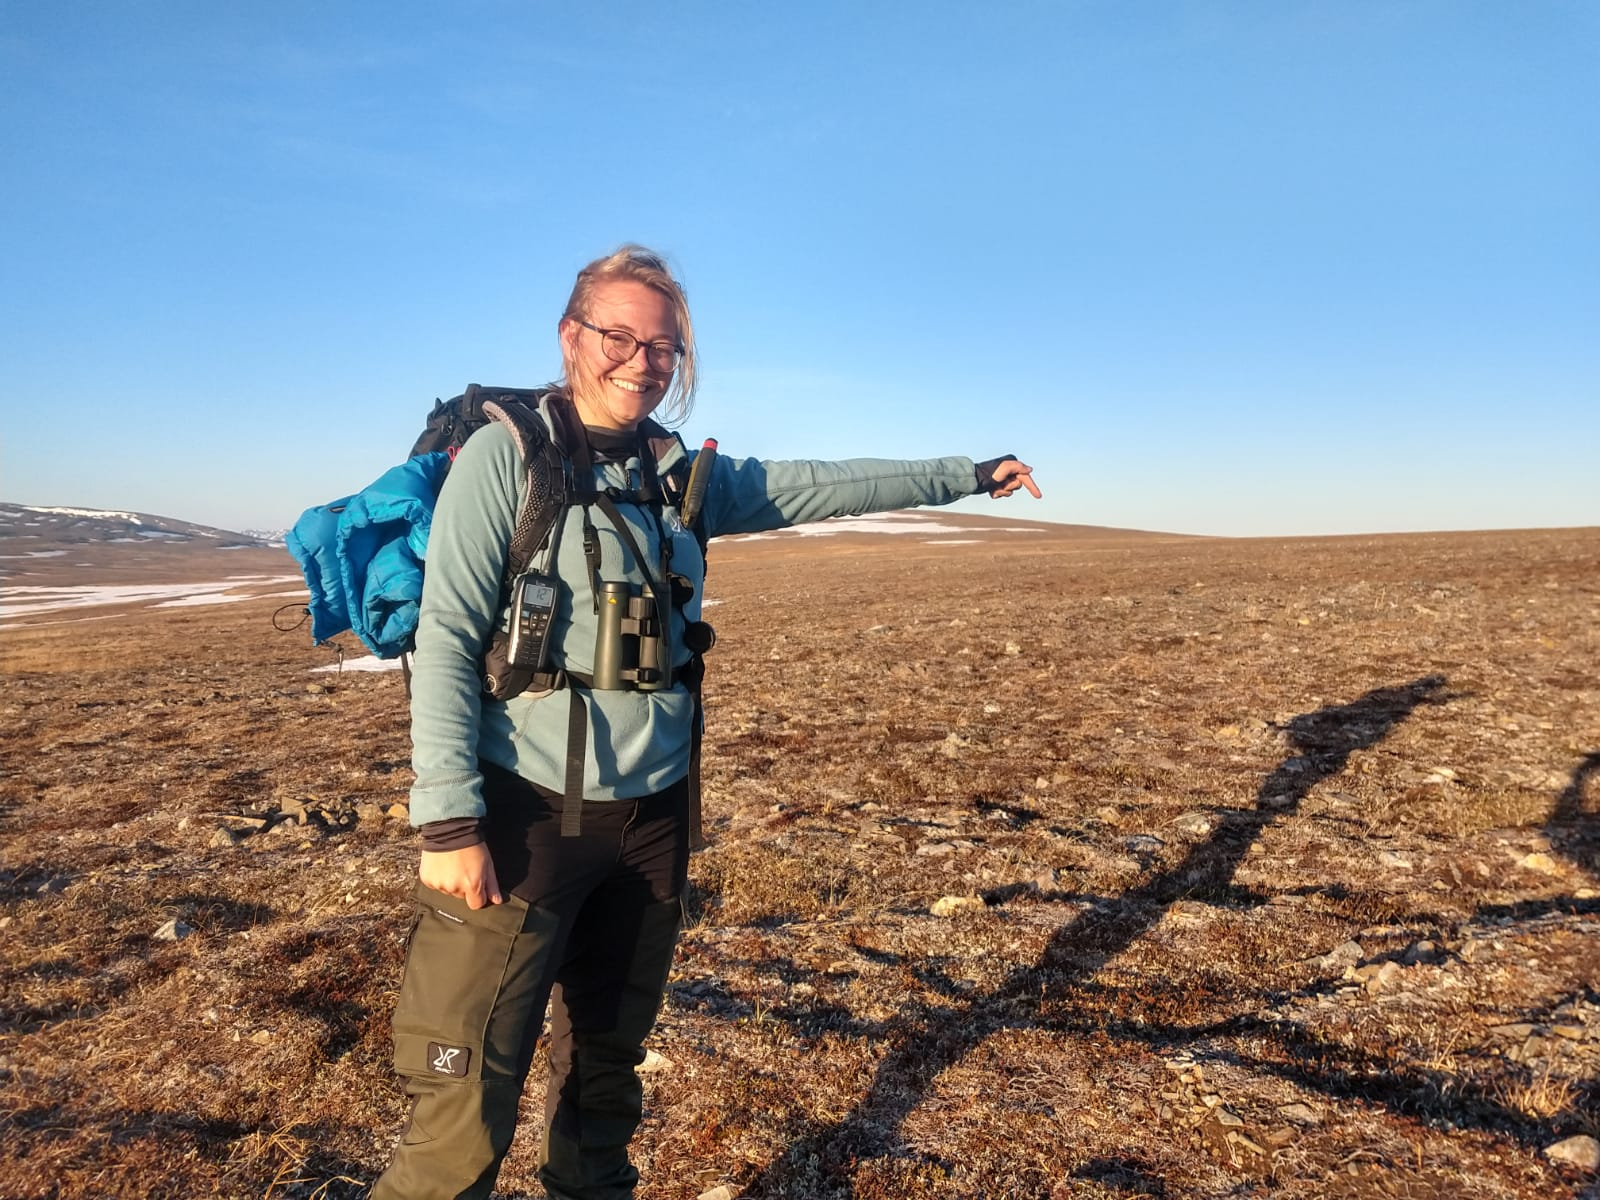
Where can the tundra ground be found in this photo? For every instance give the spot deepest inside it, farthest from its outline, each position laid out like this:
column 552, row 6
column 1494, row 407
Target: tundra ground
column 1048, row 866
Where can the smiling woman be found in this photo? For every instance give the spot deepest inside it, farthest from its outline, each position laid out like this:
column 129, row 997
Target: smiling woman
column 627, row 341
column 556, row 823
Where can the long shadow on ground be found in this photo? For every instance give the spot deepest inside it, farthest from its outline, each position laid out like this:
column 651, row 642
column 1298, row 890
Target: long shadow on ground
column 1571, row 830
column 936, row 1039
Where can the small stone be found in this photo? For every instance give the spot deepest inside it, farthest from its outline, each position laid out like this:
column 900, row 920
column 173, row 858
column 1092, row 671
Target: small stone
column 1376, row 976
column 655, row 1062
column 1581, row 1151
column 225, row 837
column 173, row 931
column 1573, row 1033
column 1534, row 1048
column 398, row 812
column 261, row 1037
column 1345, row 955
column 369, row 814
column 1421, row 952
column 951, row 906
column 1396, row 862
column 935, row 849
column 1299, row 1114
column 1227, row 1118
column 1013, row 649
column 1194, row 824
column 721, row 1192
column 1540, row 862
column 1517, row 1031
column 318, row 689
column 1244, row 1143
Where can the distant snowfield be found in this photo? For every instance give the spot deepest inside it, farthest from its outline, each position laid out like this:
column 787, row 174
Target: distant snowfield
column 84, row 512
column 894, row 522
column 26, row 601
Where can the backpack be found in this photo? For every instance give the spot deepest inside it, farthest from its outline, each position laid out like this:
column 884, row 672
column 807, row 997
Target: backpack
column 363, row 555
column 557, row 478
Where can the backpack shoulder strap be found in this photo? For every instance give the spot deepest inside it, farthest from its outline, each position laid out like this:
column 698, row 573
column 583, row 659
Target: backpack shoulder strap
column 545, row 494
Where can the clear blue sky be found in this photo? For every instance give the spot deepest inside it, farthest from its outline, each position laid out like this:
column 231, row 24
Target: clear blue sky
column 1232, row 268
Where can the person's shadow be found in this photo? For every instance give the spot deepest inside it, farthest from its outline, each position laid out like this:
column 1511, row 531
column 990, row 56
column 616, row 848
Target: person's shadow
column 1572, row 832
column 938, row 1037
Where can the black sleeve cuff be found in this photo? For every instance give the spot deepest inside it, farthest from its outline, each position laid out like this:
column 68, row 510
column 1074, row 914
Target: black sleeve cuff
column 457, row 833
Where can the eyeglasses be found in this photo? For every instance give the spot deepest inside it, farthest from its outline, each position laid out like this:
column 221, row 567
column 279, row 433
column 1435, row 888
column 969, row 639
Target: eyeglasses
column 620, row 346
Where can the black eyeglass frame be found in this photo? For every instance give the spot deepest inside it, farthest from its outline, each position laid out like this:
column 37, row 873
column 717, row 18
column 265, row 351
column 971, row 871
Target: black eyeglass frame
column 650, row 347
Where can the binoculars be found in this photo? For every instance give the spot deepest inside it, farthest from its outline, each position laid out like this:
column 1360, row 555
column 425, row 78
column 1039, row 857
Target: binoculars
column 630, row 649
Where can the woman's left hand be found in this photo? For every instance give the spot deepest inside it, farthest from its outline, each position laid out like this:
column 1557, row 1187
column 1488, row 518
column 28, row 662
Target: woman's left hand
column 1011, row 475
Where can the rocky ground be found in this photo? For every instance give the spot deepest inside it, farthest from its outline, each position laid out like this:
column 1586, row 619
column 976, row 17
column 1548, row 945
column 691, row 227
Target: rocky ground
column 1050, row 866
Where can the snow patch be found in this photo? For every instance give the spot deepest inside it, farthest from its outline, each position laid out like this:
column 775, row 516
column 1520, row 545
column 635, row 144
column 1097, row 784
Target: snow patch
column 84, row 512
column 218, row 598
column 361, row 664
column 22, row 601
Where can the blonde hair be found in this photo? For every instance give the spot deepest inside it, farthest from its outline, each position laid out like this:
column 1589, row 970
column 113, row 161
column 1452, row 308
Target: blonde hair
column 640, row 265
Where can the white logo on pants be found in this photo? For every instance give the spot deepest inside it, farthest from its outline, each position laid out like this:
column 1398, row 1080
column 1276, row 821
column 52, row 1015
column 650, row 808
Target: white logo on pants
column 446, row 1061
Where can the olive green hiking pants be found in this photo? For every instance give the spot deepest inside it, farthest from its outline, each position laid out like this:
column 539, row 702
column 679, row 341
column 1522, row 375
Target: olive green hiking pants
column 597, row 947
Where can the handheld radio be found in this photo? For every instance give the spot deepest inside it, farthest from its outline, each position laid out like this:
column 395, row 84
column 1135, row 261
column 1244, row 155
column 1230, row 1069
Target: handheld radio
column 533, row 604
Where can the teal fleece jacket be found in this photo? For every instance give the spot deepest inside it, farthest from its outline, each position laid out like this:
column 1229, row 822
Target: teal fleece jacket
column 638, row 741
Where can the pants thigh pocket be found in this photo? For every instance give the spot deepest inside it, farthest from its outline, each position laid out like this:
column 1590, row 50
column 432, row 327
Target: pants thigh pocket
column 467, row 971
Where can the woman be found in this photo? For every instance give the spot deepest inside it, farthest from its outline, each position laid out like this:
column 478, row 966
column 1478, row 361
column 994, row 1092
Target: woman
column 511, row 914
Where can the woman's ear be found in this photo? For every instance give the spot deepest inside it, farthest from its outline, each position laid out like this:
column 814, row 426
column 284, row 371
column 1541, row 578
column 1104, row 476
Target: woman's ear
column 567, row 332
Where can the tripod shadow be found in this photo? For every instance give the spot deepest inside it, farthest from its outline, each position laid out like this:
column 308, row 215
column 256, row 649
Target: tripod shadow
column 939, row 1037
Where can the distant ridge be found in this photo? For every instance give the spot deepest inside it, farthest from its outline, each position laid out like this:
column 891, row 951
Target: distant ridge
column 48, row 543
column 66, row 526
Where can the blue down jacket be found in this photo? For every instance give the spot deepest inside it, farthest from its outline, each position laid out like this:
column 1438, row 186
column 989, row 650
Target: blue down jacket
column 362, row 556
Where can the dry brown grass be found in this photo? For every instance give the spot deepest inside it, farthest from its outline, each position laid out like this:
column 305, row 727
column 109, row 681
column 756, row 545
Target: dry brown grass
column 1391, row 740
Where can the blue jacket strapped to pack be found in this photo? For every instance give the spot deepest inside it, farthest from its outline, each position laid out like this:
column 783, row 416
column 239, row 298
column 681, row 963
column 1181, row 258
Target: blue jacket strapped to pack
column 363, row 556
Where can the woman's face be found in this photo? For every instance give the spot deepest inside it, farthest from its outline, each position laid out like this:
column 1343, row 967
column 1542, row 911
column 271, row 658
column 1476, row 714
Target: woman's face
column 609, row 394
